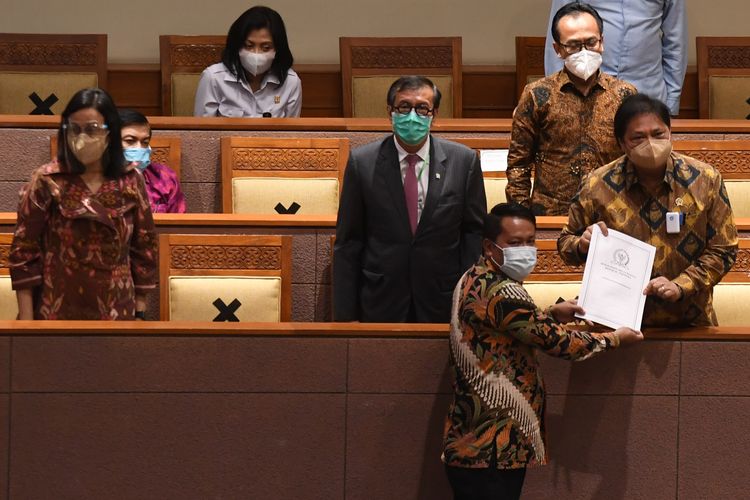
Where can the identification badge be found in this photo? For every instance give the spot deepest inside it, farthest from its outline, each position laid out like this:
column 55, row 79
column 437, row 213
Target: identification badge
column 673, row 222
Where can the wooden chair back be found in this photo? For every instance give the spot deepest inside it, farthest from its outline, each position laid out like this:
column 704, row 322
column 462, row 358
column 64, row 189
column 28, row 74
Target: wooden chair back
column 212, row 277
column 262, row 175
column 39, row 73
column 182, row 60
column 370, row 65
column 723, row 77
column 529, row 61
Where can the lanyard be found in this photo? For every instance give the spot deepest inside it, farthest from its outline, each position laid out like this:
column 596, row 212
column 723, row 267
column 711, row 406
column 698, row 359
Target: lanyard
column 425, row 163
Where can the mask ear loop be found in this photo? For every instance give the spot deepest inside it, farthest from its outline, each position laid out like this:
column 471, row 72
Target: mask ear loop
column 498, row 266
column 66, row 147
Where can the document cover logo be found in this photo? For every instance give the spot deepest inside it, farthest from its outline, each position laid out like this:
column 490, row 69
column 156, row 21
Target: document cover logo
column 620, row 258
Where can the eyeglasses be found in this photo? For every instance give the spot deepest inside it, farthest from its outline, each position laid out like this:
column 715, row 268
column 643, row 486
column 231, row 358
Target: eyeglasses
column 92, row 129
column 420, row 109
column 577, row 46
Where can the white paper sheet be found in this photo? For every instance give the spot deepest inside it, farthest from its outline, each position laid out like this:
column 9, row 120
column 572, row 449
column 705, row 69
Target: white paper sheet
column 493, row 160
column 618, row 268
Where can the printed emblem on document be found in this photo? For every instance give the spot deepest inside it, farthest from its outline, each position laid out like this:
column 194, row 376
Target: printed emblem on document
column 620, row 258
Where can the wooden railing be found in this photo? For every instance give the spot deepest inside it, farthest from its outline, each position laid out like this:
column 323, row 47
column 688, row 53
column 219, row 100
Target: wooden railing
column 355, row 124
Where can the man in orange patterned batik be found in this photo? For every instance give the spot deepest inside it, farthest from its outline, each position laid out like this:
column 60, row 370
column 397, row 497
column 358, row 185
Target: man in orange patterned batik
column 562, row 126
column 495, row 425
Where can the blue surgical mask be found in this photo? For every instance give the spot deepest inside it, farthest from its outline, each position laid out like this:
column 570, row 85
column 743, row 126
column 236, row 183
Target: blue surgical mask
column 518, row 262
column 411, row 128
column 141, row 157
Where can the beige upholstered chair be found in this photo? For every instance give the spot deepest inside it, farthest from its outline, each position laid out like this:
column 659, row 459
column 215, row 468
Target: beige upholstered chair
column 723, row 77
column 164, row 150
column 273, row 175
column 732, row 159
column 552, row 278
column 494, row 181
column 529, row 61
column 182, row 60
column 732, row 295
column 370, row 65
column 225, row 278
column 8, row 303
column 40, row 73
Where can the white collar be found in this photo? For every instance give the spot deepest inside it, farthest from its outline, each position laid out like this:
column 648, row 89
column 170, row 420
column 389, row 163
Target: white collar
column 422, row 153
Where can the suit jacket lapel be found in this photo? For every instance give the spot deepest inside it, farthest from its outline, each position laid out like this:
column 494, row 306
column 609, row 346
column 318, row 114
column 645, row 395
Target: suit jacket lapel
column 436, row 172
column 390, row 169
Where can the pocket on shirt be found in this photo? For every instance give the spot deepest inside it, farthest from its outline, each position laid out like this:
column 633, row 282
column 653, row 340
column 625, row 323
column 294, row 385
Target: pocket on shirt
column 230, row 111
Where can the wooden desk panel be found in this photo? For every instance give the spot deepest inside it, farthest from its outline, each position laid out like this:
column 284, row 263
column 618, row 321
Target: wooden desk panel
column 198, row 410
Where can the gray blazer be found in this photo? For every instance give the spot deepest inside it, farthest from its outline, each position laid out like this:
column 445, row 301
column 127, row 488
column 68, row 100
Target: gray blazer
column 383, row 273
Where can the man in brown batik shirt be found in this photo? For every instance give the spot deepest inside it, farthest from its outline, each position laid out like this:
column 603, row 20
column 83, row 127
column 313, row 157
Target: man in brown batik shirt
column 562, row 126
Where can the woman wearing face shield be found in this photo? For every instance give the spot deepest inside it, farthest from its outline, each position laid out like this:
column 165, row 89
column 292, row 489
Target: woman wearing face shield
column 84, row 246
column 255, row 76
column 495, row 425
column 671, row 201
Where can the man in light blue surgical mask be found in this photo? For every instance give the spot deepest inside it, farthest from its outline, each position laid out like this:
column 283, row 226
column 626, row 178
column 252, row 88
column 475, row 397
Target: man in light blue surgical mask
column 410, row 216
column 162, row 183
column 494, row 427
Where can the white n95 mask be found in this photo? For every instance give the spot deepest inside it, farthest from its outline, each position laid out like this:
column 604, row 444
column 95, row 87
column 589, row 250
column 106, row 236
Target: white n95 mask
column 583, row 63
column 256, row 63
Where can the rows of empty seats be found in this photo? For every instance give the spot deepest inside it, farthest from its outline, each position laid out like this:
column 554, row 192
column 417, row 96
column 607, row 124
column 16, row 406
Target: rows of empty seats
column 248, row 278
column 302, row 175
column 43, row 71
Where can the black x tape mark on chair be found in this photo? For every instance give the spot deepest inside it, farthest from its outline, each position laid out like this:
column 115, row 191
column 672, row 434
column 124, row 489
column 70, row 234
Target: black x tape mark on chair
column 293, row 208
column 258, row 172
column 226, row 312
column 43, row 107
column 251, row 274
column 46, row 65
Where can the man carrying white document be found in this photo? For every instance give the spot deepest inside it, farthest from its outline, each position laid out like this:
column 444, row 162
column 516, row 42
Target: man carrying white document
column 669, row 201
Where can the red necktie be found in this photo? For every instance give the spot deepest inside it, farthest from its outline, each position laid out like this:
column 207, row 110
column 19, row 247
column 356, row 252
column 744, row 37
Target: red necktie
column 411, row 191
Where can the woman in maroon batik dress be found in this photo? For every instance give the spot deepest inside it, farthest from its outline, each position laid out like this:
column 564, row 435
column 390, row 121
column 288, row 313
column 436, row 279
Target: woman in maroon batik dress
column 84, row 245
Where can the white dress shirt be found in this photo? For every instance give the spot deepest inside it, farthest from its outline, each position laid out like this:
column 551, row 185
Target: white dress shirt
column 422, row 169
column 220, row 94
column 645, row 43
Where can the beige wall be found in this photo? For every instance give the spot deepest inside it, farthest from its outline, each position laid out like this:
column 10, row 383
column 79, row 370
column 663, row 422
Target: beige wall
column 488, row 27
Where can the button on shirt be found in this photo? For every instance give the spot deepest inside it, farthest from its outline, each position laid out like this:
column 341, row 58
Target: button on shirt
column 645, row 43
column 221, row 94
column 423, row 171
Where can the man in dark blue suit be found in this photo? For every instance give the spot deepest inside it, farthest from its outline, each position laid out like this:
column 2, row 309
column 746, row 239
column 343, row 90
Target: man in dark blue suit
column 410, row 217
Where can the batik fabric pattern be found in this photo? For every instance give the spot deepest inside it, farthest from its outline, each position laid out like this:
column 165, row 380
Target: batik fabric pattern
column 696, row 258
column 498, row 402
column 84, row 254
column 163, row 190
column 560, row 135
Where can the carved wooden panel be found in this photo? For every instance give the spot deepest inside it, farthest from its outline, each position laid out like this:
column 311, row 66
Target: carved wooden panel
column 742, row 264
column 729, row 57
column 49, row 54
column 160, row 155
column 726, row 162
column 549, row 262
column 4, row 253
column 198, row 56
column 317, row 159
column 402, row 57
column 225, row 257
